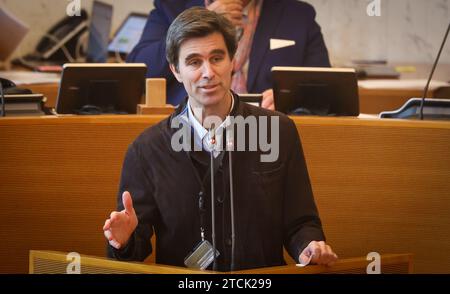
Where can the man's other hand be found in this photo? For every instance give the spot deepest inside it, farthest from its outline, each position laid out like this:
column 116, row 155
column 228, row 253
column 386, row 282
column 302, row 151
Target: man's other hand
column 318, row 252
column 267, row 100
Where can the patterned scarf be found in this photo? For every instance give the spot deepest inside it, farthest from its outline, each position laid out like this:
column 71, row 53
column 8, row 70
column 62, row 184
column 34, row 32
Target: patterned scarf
column 239, row 81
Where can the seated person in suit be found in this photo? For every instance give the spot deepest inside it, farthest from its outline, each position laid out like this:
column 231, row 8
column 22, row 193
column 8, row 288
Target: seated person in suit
column 167, row 190
column 272, row 33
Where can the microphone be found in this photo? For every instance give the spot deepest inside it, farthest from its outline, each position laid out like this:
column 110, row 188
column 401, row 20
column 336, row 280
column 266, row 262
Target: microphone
column 212, row 136
column 230, row 147
column 425, row 91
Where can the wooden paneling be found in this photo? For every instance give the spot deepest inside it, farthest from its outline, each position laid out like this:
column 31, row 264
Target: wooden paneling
column 389, row 264
column 49, row 90
column 59, row 183
column 380, row 185
column 50, row 262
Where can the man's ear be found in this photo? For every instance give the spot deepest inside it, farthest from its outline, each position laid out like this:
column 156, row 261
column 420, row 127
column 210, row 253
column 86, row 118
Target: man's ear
column 175, row 72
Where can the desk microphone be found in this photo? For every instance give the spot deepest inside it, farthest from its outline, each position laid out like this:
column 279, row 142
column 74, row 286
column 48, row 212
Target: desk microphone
column 230, row 147
column 212, row 136
column 431, row 74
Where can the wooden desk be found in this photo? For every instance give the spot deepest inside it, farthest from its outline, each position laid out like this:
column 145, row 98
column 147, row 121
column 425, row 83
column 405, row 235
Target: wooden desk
column 51, row 262
column 380, row 185
column 374, row 101
column 49, row 90
column 390, row 264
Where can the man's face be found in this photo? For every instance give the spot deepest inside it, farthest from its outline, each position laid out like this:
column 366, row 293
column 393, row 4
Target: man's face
column 204, row 68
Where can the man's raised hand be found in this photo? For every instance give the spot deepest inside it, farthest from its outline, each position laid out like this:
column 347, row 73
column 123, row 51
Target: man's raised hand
column 231, row 9
column 121, row 225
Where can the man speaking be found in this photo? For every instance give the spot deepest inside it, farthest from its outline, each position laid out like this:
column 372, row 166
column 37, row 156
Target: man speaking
column 215, row 203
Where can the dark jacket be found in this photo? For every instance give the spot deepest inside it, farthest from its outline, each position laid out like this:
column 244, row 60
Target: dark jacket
column 274, row 204
column 280, row 19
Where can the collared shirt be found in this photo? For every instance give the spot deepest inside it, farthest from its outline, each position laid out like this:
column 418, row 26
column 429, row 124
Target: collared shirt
column 203, row 137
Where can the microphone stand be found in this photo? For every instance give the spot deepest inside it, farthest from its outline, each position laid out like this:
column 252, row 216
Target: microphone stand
column 213, row 211
column 2, row 95
column 431, row 74
column 233, row 233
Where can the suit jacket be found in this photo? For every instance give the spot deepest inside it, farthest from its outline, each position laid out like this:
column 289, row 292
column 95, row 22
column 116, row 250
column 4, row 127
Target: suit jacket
column 280, row 19
column 274, row 204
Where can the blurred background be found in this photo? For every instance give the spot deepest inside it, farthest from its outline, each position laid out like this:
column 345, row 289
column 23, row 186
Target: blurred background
column 407, row 30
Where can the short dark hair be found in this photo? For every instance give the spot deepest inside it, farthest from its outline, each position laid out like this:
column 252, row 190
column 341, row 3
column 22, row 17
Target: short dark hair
column 197, row 22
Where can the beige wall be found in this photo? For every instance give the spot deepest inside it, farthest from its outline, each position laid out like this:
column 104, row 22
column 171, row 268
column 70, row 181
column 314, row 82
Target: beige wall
column 40, row 15
column 407, row 30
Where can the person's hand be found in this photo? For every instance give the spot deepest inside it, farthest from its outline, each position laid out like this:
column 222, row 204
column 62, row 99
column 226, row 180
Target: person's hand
column 267, row 100
column 120, row 225
column 231, row 9
column 318, row 253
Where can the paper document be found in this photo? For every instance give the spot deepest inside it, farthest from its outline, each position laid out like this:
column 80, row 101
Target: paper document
column 29, row 77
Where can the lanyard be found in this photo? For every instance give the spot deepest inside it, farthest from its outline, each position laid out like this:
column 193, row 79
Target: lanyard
column 201, row 193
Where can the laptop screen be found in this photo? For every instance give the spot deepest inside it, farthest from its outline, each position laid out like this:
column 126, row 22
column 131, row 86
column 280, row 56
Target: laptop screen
column 129, row 33
column 99, row 30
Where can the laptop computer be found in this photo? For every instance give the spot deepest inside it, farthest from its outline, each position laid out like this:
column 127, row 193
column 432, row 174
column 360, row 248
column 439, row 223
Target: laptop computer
column 13, row 32
column 99, row 30
column 128, row 34
column 68, row 36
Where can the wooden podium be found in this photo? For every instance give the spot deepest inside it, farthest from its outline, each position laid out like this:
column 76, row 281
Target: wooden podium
column 62, row 175
column 52, row 262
